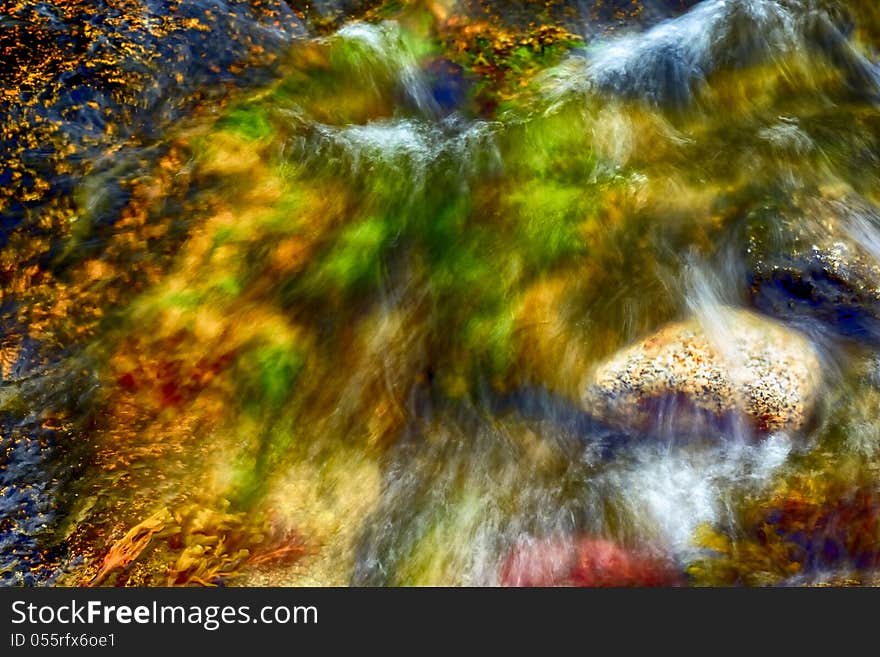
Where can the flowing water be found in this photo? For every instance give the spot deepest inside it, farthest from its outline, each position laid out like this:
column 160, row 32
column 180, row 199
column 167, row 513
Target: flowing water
column 315, row 294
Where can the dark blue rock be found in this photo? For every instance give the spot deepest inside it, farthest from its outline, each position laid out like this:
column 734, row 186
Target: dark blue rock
column 820, row 267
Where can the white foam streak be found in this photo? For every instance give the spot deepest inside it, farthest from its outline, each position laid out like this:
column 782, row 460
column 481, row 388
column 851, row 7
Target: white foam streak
column 674, row 491
column 668, row 62
column 384, row 47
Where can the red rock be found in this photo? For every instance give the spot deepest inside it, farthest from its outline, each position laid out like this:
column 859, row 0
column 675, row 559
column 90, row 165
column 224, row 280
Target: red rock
column 586, row 561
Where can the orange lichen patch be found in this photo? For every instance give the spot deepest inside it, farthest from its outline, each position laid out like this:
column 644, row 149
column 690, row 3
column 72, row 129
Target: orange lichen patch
column 63, row 303
column 18, row 272
column 10, row 349
column 30, row 35
column 505, row 57
column 325, row 19
column 73, row 84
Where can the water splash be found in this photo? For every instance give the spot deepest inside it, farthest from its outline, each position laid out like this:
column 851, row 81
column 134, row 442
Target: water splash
column 410, row 147
column 671, row 64
column 382, row 47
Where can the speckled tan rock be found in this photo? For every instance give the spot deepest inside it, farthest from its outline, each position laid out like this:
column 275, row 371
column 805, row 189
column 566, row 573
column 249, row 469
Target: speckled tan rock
column 736, row 363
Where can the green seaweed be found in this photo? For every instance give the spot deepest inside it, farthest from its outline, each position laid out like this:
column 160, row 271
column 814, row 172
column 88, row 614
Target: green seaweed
column 250, row 121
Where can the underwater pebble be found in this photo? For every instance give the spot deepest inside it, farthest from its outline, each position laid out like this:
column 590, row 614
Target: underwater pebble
column 745, row 366
column 585, row 561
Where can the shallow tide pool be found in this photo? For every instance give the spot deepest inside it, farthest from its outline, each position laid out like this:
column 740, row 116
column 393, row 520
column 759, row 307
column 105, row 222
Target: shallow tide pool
column 440, row 293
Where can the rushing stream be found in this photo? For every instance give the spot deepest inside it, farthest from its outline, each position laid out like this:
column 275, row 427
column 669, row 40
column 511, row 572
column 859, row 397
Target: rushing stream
column 440, row 293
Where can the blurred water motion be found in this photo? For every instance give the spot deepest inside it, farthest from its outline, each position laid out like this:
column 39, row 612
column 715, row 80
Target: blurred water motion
column 455, row 293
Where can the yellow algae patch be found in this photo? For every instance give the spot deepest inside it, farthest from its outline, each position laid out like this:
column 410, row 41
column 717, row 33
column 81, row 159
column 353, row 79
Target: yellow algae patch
column 326, row 500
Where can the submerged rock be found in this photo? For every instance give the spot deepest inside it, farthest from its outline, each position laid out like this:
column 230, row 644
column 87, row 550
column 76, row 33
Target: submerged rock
column 586, row 561
column 671, row 64
column 692, row 374
column 822, row 264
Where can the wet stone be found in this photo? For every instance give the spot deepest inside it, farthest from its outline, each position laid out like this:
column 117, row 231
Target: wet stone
column 820, row 265
column 735, row 365
column 586, row 561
